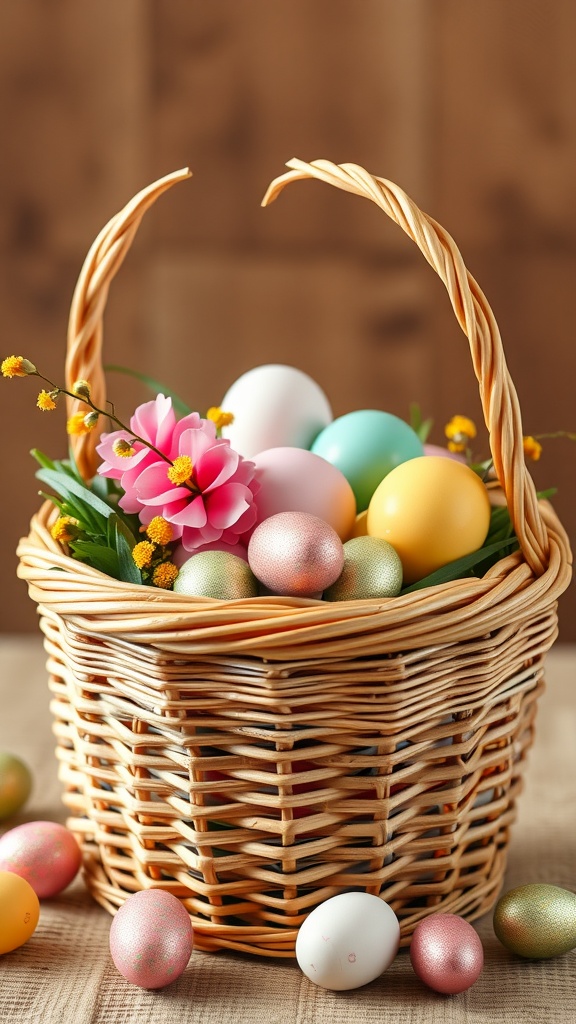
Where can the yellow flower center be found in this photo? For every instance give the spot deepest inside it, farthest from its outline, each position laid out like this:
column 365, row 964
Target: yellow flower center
column 181, row 470
column 61, row 531
column 164, row 575
column 45, row 401
column 219, row 417
column 532, row 448
column 142, row 553
column 159, row 530
column 460, row 429
column 17, row 366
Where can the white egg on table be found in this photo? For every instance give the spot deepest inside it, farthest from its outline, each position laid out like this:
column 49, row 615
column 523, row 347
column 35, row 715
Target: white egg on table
column 274, row 405
column 348, row 941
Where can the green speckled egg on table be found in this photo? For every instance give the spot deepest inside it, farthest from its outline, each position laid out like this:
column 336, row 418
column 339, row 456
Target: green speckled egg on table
column 536, row 921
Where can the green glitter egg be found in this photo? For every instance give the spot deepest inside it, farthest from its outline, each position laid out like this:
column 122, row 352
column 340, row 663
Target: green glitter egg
column 536, row 921
column 218, row 574
column 372, row 569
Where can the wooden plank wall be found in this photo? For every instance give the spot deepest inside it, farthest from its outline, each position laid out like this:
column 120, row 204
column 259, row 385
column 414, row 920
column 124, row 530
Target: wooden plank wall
column 470, row 106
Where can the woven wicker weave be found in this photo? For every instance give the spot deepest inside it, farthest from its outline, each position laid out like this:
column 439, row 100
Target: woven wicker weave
column 256, row 757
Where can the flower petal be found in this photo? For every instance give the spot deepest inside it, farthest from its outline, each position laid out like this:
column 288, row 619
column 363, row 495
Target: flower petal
column 154, row 488
column 193, row 514
column 215, row 467
column 226, row 504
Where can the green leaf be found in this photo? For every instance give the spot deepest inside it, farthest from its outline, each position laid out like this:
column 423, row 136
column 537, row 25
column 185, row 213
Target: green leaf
column 66, row 486
column 42, row 459
column 461, row 567
column 154, row 386
column 97, row 555
column 419, row 426
column 128, row 571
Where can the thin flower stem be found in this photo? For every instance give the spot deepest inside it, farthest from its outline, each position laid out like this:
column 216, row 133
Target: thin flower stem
column 116, row 419
column 102, row 412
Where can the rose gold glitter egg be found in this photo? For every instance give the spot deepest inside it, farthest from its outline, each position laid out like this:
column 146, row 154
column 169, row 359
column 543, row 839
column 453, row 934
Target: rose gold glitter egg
column 296, row 554
column 151, row 938
column 45, row 853
column 446, row 953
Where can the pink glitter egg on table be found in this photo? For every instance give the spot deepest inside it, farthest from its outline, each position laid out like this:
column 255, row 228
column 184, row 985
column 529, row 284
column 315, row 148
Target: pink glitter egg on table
column 44, row 853
column 446, row 953
column 295, row 554
column 151, row 938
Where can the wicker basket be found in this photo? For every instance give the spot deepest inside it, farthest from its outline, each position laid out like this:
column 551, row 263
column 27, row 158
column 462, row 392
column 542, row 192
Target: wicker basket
column 256, row 757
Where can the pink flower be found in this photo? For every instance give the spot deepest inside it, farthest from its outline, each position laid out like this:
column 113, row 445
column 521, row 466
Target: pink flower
column 202, row 486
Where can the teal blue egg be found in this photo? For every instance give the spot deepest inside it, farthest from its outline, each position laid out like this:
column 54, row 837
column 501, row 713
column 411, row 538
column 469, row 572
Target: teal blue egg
column 365, row 446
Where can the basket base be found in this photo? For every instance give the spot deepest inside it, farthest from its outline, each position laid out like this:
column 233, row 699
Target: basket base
column 470, row 903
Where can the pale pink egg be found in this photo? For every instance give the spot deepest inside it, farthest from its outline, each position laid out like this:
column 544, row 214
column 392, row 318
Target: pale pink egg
column 181, row 554
column 151, row 938
column 446, row 953
column 296, row 480
column 45, row 853
column 296, row 554
column 436, row 449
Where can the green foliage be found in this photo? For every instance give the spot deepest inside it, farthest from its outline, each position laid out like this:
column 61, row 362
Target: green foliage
column 419, row 426
column 105, row 535
column 154, row 386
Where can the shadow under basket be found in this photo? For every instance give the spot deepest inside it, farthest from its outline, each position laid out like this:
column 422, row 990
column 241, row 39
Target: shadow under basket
column 256, row 757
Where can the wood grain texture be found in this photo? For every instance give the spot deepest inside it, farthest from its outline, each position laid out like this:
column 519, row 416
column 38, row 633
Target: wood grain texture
column 471, row 108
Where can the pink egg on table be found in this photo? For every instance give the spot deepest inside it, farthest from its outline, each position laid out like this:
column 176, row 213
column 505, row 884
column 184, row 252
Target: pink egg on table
column 446, row 953
column 297, row 480
column 151, row 938
column 44, row 853
column 296, row 554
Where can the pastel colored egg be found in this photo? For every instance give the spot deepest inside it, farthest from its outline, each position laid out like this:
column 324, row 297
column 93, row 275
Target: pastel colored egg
column 216, row 574
column 446, row 953
column 181, row 554
column 436, row 449
column 19, row 911
column 432, row 510
column 366, row 445
column 295, row 480
column 347, row 941
column 45, row 853
column 151, row 938
column 295, row 554
column 15, row 785
column 372, row 568
column 536, row 921
column 360, row 528
column 274, row 406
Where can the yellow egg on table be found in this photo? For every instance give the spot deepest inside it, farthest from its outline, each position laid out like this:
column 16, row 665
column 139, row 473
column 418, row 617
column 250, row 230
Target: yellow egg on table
column 432, row 510
column 19, row 911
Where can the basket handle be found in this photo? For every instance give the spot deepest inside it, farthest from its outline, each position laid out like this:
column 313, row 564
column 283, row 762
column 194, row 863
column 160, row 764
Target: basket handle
column 497, row 392
column 84, row 351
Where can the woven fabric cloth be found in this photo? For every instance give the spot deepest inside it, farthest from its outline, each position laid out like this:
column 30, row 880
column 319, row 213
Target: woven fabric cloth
column 65, row 972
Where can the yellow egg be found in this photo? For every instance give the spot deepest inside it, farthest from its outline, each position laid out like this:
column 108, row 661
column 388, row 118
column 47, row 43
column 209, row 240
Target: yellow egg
column 371, row 569
column 19, row 911
column 432, row 510
column 217, row 574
